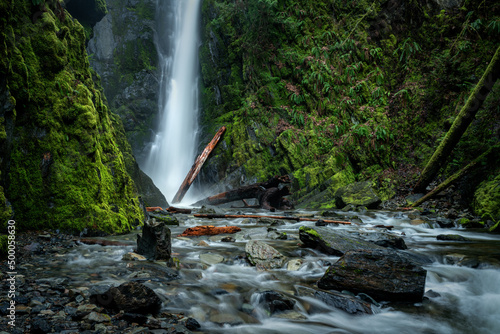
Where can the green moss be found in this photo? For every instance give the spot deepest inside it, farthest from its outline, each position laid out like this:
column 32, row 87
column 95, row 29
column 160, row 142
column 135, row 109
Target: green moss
column 65, row 168
column 487, row 199
column 3, row 246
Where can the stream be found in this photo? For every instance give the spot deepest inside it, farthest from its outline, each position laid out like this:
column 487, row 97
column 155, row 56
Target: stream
column 219, row 290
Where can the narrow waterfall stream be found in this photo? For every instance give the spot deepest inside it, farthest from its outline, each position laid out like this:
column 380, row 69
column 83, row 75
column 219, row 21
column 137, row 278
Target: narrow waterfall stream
column 173, row 151
column 222, row 296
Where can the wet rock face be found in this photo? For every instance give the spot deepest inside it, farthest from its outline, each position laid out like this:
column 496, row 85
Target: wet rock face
column 131, row 297
column 346, row 303
column 383, row 275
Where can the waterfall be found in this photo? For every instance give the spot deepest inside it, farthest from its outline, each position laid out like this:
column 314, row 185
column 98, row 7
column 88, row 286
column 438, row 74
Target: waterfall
column 173, row 150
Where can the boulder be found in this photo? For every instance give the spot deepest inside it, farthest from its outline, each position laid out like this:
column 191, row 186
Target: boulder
column 155, row 242
column 131, row 297
column 357, row 194
column 333, row 242
column 385, row 275
column 344, row 302
column 263, row 256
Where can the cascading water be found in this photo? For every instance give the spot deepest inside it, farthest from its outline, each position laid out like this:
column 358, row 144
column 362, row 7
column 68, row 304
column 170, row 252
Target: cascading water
column 172, row 153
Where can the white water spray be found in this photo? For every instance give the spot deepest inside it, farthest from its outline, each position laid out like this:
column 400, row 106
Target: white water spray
column 172, row 153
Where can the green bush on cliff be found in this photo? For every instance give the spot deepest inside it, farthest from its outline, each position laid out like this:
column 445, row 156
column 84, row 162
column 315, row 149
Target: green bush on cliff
column 65, row 169
column 370, row 83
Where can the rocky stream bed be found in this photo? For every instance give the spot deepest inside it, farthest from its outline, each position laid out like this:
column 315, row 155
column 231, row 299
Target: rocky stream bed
column 273, row 276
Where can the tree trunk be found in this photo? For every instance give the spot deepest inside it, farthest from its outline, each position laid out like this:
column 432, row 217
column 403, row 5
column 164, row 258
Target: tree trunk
column 256, row 190
column 461, row 123
column 197, row 166
column 449, row 181
column 219, row 216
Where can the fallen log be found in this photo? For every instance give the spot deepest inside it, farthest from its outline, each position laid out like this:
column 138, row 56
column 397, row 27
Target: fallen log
column 268, row 194
column 195, row 169
column 209, row 230
column 172, row 209
column 215, row 216
column 154, row 208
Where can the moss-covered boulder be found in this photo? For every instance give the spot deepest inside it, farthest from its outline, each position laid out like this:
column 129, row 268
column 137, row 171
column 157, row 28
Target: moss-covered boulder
column 61, row 163
column 357, row 194
column 486, row 201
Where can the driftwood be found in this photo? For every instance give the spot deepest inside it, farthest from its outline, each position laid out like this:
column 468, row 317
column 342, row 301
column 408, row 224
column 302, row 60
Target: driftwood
column 209, row 230
column 269, row 194
column 195, row 169
column 214, row 216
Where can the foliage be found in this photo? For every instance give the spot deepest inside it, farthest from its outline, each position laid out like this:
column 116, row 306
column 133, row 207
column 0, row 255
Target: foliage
column 355, row 83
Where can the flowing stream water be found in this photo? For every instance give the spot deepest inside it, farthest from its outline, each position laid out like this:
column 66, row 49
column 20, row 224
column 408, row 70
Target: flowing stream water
column 172, row 153
column 222, row 296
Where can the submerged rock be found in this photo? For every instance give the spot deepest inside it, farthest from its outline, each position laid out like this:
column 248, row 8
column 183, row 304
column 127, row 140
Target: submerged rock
column 273, row 301
column 452, row 237
column 333, row 242
column 384, row 275
column 344, row 302
column 264, row 256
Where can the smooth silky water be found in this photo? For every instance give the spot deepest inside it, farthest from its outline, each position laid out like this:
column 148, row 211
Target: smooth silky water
column 467, row 299
column 173, row 150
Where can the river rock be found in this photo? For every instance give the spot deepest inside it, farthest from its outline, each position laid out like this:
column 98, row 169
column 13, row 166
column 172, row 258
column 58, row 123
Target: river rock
column 294, row 264
column 209, row 258
column 384, row 275
column 131, row 297
column 344, row 302
column 273, row 301
column 155, row 242
column 357, row 194
column 452, row 237
column 264, row 256
column 333, row 242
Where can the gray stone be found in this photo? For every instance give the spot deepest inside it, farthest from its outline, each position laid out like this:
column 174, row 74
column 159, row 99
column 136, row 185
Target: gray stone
column 344, row 302
column 384, row 275
column 333, row 242
column 208, row 258
column 264, row 256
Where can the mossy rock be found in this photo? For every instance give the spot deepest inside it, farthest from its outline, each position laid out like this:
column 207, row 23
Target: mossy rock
column 64, row 168
column 486, row 201
column 357, row 194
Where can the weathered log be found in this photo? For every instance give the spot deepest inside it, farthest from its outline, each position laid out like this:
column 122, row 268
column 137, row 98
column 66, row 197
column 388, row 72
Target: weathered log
column 209, row 230
column 215, row 216
column 256, row 190
column 172, row 209
column 461, row 123
column 195, row 169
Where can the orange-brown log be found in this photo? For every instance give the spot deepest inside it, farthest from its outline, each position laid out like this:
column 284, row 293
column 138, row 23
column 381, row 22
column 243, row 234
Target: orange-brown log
column 214, row 215
column 195, row 169
column 209, row 230
column 153, row 208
